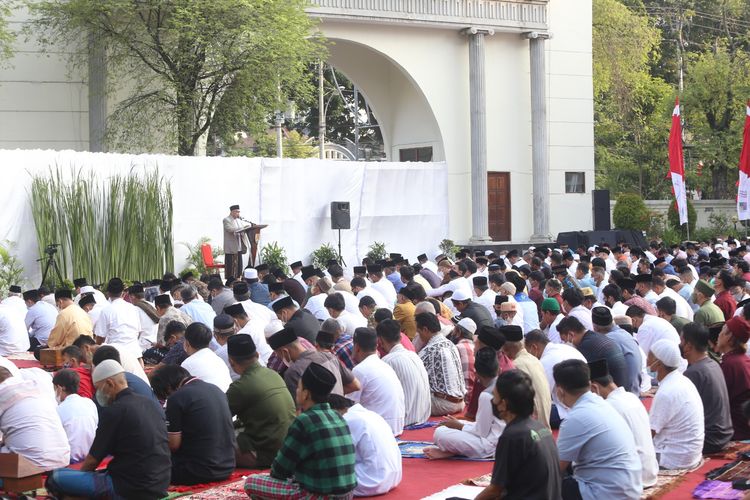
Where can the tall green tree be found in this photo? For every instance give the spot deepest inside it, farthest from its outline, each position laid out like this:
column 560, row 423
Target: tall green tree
column 6, row 35
column 716, row 90
column 188, row 65
column 631, row 107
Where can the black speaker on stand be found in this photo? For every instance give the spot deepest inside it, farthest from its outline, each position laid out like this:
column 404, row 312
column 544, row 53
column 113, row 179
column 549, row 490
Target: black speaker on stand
column 340, row 219
column 601, row 210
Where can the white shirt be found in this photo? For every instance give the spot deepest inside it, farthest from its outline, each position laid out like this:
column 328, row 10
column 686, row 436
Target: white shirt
column 149, row 330
column 414, row 380
column 453, row 285
column 677, row 418
column 16, row 303
column 99, row 297
column 315, row 306
column 14, row 337
column 487, row 299
column 351, row 302
column 683, row 308
column 207, row 366
column 651, row 297
column 378, row 458
column 386, row 289
column 10, row 366
column 40, row 319
column 618, row 309
column 31, row 426
column 583, row 315
column 634, row 413
column 257, row 311
column 119, row 325
column 486, row 426
column 552, row 334
column 350, row 322
column 381, row 391
column 79, row 418
column 380, row 300
column 553, row 354
column 654, row 328
column 255, row 328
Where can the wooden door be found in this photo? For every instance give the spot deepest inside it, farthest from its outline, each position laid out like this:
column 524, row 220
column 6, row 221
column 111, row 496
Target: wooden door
column 498, row 196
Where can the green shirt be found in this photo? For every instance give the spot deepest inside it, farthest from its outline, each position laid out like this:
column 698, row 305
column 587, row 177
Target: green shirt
column 318, row 451
column 708, row 314
column 678, row 322
column 265, row 409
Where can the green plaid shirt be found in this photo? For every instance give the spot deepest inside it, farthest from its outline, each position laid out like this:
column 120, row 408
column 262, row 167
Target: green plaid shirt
column 319, row 453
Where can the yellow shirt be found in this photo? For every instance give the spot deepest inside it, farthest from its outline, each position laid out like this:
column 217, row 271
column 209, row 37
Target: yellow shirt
column 404, row 314
column 71, row 322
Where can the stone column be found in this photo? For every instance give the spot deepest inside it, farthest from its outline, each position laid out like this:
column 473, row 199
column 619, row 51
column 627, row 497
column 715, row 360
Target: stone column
column 539, row 137
column 97, row 94
column 478, row 114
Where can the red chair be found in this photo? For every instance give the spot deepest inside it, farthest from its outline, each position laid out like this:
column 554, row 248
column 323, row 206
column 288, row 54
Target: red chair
column 208, row 258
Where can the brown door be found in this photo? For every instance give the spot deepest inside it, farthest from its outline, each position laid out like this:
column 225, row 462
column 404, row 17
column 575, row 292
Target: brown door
column 498, row 196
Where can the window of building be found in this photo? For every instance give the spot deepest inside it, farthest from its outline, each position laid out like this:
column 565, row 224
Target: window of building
column 575, row 182
column 415, row 154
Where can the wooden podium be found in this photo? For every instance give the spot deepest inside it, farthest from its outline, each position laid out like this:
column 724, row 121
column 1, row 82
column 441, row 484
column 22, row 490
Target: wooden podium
column 253, row 234
column 18, row 474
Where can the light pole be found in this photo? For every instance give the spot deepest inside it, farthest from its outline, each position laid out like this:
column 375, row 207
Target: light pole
column 279, row 121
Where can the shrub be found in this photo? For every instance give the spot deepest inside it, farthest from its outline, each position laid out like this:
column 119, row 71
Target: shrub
column 448, row 248
column 11, row 270
column 377, row 251
column 631, row 213
column 274, row 255
column 323, row 254
column 673, row 218
column 195, row 256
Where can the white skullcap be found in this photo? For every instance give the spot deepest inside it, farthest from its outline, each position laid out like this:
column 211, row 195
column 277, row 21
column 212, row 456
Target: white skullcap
column 460, row 295
column 87, row 289
column 468, row 325
column 105, row 369
column 273, row 326
column 508, row 288
column 250, row 274
column 668, row 352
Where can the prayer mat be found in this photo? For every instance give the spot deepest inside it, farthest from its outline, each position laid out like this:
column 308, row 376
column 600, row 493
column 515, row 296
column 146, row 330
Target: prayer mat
column 667, row 480
column 230, row 491
column 456, row 491
column 731, row 472
column 415, row 449
column 482, row 481
column 731, row 451
column 717, row 490
column 234, row 476
column 28, row 356
column 426, row 425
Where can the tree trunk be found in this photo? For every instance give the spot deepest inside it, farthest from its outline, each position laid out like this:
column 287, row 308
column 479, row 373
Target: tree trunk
column 719, row 174
column 185, row 123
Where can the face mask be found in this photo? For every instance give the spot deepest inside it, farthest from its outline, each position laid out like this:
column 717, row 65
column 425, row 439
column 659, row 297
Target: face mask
column 102, row 398
column 737, row 296
column 651, row 373
column 57, row 397
column 501, row 322
column 496, row 412
column 560, row 403
column 286, row 361
column 544, row 294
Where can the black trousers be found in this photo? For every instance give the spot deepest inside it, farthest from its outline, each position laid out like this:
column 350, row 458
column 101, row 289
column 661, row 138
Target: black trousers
column 570, row 489
column 232, row 265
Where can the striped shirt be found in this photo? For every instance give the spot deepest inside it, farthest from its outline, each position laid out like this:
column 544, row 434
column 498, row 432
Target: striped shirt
column 443, row 365
column 466, row 353
column 411, row 372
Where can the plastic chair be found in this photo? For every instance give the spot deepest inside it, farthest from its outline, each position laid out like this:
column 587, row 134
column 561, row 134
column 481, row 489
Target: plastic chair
column 208, row 258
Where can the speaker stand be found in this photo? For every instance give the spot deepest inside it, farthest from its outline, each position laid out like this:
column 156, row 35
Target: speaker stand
column 342, row 263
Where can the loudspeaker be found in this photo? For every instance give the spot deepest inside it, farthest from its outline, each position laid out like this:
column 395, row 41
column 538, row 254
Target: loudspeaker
column 574, row 239
column 601, row 210
column 340, row 216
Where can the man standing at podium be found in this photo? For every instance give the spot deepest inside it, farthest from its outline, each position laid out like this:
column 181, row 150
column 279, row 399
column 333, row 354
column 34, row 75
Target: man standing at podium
column 236, row 242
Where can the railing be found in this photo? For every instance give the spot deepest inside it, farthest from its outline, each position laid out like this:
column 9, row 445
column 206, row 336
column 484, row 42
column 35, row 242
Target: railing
column 504, row 15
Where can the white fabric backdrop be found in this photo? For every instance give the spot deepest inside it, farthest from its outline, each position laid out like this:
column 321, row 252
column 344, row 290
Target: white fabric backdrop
column 401, row 204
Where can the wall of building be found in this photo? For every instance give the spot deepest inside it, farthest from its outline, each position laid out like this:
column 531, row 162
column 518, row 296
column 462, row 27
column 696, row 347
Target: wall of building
column 431, row 79
column 417, row 80
column 703, row 209
column 43, row 102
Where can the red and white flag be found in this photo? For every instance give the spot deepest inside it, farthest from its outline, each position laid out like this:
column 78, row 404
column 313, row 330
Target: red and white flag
column 677, row 164
column 743, row 185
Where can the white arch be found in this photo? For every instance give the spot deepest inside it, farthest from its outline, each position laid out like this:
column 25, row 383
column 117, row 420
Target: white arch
column 403, row 112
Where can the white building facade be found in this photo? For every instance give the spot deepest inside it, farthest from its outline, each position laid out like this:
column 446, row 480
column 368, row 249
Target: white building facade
column 501, row 90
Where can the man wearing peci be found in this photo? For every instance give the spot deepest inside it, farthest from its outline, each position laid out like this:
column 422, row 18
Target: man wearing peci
column 236, row 242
